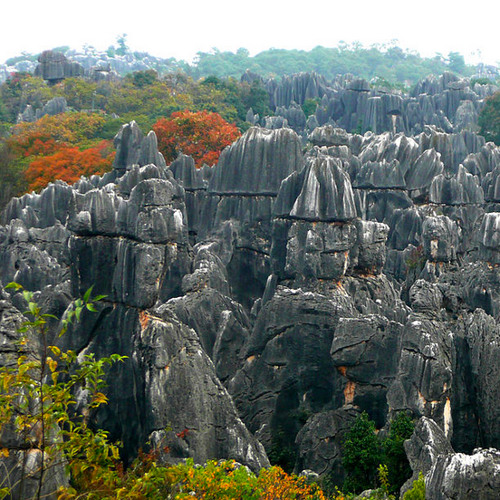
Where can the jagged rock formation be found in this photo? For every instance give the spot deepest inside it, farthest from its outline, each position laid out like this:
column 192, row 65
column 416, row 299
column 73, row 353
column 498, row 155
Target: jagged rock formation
column 53, row 107
column 352, row 104
column 292, row 289
column 450, row 475
column 54, row 67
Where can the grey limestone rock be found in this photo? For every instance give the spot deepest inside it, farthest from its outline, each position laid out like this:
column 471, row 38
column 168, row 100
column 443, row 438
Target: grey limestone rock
column 257, row 163
column 54, row 66
column 424, row 379
column 287, row 369
column 488, row 238
column 441, row 238
column 483, row 340
column 424, row 447
column 369, row 253
column 317, row 251
column 328, row 136
column 460, row 189
column 381, row 175
column 420, row 176
column 296, row 88
column 183, row 391
column 365, row 351
column 319, row 442
column 322, row 191
column 128, row 143
column 460, row 476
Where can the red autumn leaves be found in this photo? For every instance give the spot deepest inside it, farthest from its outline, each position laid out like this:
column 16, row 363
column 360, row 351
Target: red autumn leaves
column 68, row 145
column 202, row 135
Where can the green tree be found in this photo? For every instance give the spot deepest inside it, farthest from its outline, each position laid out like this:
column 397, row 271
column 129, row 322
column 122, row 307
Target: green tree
column 123, row 48
column 309, row 106
column 143, row 78
column 361, row 455
column 489, row 119
column 37, row 399
column 456, row 63
column 401, row 429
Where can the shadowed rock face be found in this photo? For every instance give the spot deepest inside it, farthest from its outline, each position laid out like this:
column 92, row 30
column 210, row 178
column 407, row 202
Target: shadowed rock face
column 450, row 475
column 54, row 67
column 354, row 105
column 289, row 289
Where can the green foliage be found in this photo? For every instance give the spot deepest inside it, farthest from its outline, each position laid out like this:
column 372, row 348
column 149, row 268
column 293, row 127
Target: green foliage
column 226, row 481
column 379, row 60
column 417, row 491
column 481, row 81
column 282, row 452
column 416, row 258
column 366, row 457
column 456, row 63
column 11, row 178
column 394, row 456
column 257, row 98
column 361, row 454
column 122, row 49
column 36, row 397
column 143, row 78
column 489, row 119
column 310, row 105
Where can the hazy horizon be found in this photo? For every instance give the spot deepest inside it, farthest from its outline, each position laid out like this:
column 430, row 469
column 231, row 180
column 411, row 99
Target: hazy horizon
column 182, row 30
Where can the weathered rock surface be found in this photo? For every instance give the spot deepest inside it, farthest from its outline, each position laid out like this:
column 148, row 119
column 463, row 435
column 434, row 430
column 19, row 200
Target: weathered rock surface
column 54, row 66
column 21, row 467
column 450, row 475
column 290, row 288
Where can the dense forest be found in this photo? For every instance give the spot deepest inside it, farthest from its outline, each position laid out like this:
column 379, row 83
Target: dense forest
column 381, row 61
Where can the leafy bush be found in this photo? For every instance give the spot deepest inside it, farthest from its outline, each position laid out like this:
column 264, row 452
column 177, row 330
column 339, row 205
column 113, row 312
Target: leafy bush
column 417, row 491
column 489, row 119
column 361, row 455
column 394, row 455
column 364, row 451
column 36, row 401
column 225, row 480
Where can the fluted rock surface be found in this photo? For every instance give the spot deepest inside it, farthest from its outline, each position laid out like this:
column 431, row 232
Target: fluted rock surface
column 302, row 286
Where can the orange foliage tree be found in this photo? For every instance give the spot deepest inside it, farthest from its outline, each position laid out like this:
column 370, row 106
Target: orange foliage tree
column 64, row 146
column 64, row 128
column 202, row 135
column 68, row 164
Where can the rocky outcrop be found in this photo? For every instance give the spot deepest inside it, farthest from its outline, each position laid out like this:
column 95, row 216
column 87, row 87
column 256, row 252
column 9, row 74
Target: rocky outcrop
column 290, row 289
column 450, row 475
column 54, row 67
column 353, row 104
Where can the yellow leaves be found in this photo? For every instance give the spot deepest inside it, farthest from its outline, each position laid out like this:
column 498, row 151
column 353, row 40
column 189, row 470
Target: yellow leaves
column 4, row 452
column 99, row 398
column 52, row 364
column 55, row 350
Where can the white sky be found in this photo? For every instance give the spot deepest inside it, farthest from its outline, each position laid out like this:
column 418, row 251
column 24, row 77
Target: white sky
column 180, row 28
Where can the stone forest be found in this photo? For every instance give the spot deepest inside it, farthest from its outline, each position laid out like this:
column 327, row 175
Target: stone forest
column 327, row 268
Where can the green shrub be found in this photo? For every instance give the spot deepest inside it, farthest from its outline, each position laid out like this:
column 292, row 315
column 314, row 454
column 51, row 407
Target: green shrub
column 417, row 491
column 394, row 455
column 361, row 455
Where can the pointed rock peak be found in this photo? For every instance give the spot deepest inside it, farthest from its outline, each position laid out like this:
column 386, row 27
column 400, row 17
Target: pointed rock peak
column 321, row 192
column 257, row 163
column 127, row 143
column 132, row 148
